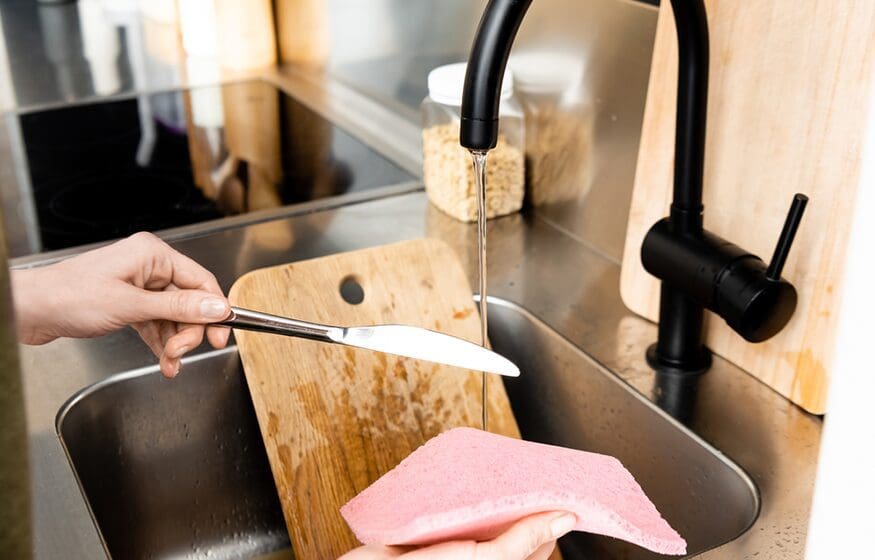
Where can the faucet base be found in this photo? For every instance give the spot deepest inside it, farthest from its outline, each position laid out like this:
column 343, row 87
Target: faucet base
column 679, row 349
column 695, row 366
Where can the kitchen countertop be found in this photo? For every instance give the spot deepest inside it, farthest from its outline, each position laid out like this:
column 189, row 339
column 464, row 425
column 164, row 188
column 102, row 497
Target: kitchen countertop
column 775, row 442
column 769, row 437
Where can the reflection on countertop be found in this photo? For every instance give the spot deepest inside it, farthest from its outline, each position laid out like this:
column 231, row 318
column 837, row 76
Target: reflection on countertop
column 99, row 171
column 70, row 51
column 58, row 53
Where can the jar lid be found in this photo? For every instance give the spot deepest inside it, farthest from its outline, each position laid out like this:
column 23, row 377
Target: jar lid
column 445, row 83
column 546, row 71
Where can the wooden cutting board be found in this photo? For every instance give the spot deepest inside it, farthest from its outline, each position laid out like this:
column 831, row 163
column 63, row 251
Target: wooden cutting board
column 334, row 419
column 789, row 94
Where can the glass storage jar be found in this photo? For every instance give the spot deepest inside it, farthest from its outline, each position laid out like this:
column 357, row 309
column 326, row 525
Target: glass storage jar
column 448, row 171
column 558, row 126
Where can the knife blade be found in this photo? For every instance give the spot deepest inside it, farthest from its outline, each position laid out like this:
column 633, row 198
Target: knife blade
column 400, row 340
column 424, row 344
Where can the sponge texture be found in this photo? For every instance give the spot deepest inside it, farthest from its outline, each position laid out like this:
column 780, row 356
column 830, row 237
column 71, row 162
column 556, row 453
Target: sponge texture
column 471, row 484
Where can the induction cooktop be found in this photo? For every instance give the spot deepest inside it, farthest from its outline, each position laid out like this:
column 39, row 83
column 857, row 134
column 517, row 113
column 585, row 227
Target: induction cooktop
column 104, row 170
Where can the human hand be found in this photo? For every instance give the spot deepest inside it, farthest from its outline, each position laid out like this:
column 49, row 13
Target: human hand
column 532, row 538
column 139, row 281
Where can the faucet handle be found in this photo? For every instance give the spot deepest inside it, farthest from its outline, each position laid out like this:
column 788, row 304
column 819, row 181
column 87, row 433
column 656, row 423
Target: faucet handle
column 785, row 240
column 753, row 298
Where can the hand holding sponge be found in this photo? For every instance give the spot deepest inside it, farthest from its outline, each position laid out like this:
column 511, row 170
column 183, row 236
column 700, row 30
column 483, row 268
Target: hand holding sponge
column 471, row 484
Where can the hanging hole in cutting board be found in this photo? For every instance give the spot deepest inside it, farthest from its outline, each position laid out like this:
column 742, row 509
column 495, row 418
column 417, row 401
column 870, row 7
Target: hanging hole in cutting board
column 351, row 290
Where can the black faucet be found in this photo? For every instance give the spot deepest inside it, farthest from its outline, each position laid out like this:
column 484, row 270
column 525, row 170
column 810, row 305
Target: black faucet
column 698, row 269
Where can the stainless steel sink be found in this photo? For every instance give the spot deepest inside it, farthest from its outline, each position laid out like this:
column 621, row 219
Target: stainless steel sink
column 564, row 397
column 177, row 469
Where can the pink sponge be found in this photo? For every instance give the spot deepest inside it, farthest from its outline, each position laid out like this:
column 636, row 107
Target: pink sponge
column 470, row 484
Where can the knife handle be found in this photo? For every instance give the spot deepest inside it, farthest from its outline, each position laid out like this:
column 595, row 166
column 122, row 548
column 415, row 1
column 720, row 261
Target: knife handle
column 250, row 320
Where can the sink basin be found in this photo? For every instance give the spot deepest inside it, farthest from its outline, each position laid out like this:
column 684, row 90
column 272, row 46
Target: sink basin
column 565, row 398
column 177, row 469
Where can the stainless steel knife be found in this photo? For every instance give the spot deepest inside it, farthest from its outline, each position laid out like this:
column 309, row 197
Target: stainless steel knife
column 401, row 340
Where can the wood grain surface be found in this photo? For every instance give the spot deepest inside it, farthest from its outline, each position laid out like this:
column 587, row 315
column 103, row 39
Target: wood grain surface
column 789, row 94
column 333, row 418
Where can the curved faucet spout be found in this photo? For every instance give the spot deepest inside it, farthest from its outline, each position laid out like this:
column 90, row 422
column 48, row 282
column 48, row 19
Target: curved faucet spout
column 488, row 59
column 692, row 112
column 486, row 64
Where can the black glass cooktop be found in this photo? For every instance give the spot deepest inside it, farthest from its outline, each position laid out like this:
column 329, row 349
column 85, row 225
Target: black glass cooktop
column 105, row 170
